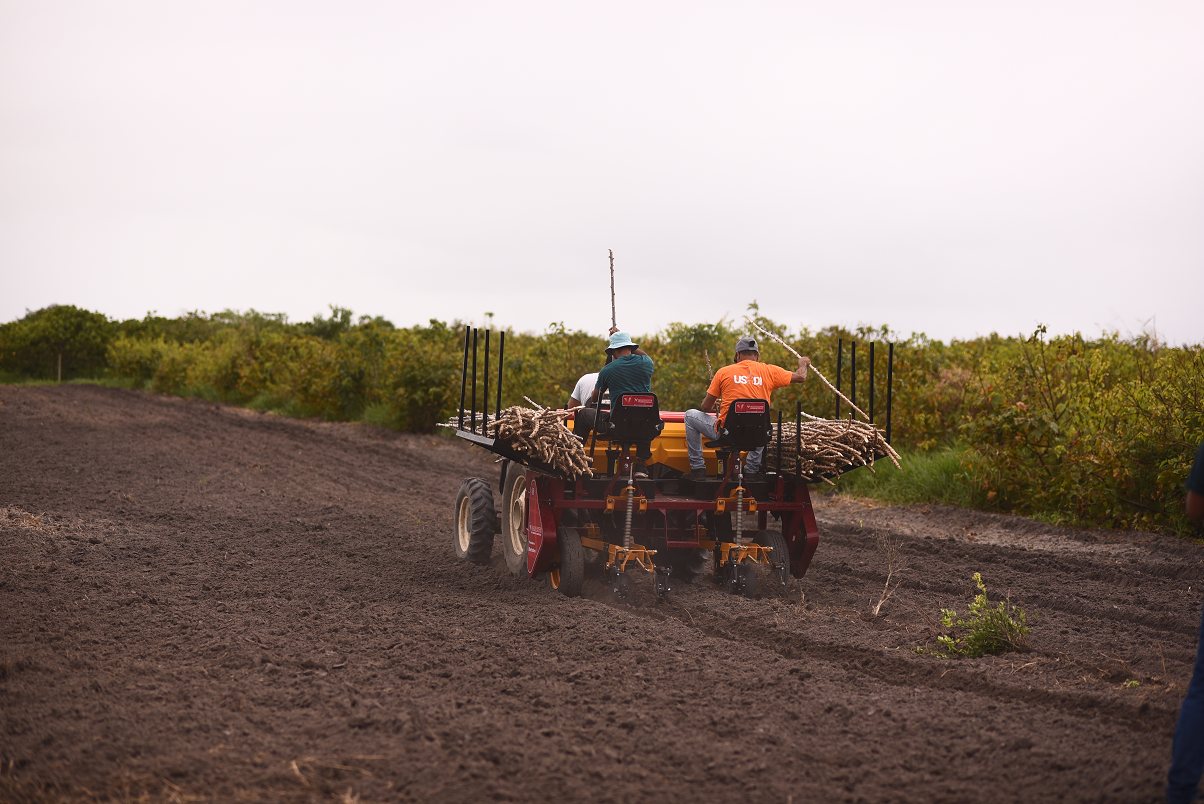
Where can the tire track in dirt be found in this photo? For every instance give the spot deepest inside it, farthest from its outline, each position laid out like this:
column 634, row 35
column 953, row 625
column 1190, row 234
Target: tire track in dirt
column 904, row 672
column 296, row 629
column 1154, row 620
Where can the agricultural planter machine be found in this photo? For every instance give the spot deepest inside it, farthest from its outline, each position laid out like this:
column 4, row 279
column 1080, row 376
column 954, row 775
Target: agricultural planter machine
column 638, row 513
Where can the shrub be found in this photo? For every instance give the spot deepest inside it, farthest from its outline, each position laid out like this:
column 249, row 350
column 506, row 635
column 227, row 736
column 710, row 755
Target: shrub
column 1099, row 432
column 985, row 630
column 422, row 375
column 56, row 342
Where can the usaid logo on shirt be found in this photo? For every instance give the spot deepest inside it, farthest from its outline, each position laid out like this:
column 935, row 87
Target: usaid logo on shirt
column 741, row 380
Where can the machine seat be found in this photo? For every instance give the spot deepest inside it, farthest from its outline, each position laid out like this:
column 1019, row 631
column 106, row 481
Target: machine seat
column 748, row 425
column 635, row 419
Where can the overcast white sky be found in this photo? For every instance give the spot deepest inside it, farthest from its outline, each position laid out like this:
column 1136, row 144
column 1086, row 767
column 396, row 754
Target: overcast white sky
column 948, row 167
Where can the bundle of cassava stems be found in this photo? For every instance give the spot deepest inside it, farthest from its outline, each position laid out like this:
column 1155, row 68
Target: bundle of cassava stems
column 539, row 433
column 828, row 447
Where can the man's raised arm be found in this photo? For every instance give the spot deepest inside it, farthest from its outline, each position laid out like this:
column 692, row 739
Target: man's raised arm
column 800, row 374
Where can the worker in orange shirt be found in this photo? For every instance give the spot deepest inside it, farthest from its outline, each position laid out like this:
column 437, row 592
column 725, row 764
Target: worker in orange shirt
column 747, row 378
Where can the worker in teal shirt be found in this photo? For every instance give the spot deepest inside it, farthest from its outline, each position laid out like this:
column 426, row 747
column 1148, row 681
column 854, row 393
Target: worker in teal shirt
column 630, row 371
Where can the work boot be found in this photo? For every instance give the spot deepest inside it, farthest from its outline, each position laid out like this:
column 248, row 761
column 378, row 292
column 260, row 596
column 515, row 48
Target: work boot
column 697, row 474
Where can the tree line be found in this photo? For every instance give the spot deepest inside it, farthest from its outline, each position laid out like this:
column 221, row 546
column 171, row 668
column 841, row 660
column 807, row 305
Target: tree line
column 1097, row 431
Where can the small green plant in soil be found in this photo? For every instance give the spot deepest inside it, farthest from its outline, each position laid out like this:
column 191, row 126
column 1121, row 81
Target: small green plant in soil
column 985, row 629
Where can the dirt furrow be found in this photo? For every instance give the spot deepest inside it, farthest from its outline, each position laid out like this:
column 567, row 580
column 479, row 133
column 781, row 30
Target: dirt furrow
column 203, row 603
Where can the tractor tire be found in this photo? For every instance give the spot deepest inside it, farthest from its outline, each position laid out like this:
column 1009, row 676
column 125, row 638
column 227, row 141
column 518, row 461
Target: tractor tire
column 779, row 559
column 476, row 521
column 514, row 515
column 688, row 563
column 569, row 577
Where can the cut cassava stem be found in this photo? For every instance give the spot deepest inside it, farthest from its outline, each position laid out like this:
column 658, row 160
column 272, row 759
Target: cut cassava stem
column 812, row 367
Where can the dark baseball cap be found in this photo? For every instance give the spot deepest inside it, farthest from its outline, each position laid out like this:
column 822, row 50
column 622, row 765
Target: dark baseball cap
column 747, row 345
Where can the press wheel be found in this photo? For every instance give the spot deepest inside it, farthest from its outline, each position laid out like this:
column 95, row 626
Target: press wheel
column 620, row 587
column 569, row 576
column 779, row 556
column 746, row 578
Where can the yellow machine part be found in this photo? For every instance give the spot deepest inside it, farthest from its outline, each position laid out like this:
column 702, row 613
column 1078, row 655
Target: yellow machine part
column 669, row 449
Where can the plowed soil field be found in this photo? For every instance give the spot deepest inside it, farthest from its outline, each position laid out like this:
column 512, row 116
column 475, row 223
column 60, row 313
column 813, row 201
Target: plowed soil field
column 202, row 603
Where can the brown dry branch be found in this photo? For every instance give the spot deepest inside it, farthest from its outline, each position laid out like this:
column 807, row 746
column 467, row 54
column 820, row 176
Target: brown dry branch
column 891, row 548
column 540, row 434
column 819, row 374
column 612, row 288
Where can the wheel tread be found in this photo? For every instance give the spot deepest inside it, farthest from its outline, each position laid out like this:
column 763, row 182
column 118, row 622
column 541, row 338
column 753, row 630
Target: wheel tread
column 482, row 520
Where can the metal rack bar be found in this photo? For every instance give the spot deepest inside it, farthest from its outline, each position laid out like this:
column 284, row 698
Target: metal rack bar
column 871, row 381
column 890, row 382
column 501, row 353
column 473, row 426
column 485, row 389
column 853, row 374
column 463, row 378
column 839, row 360
column 798, row 439
column 779, row 443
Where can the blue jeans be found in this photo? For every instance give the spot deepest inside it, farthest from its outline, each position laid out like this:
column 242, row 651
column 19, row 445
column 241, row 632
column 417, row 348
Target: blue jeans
column 699, row 424
column 1187, row 763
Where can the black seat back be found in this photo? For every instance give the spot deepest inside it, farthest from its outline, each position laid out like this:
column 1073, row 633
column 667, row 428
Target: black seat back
column 748, row 424
column 635, row 418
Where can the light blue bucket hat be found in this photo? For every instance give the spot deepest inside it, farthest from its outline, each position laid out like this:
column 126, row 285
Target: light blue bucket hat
column 619, row 340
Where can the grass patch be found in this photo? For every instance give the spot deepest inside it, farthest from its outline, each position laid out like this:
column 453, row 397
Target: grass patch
column 279, row 404
column 378, row 414
column 926, row 477
column 1057, row 519
column 10, row 378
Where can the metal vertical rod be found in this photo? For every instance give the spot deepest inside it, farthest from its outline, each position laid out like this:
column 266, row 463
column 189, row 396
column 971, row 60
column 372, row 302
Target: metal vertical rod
column 839, row 360
column 871, row 381
column 485, row 388
column 473, row 426
column 740, row 505
column 798, row 439
column 890, row 382
column 853, row 375
column 630, row 504
column 463, row 377
column 780, row 473
column 501, row 353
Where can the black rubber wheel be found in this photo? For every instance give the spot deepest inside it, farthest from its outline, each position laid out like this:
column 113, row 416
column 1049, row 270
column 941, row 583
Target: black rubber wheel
column 688, row 563
column 476, row 521
column 779, row 557
column 747, row 583
column 514, row 514
column 620, row 587
column 569, row 577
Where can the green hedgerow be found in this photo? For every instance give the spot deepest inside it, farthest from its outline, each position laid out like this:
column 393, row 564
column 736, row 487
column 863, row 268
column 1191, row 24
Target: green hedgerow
column 986, row 629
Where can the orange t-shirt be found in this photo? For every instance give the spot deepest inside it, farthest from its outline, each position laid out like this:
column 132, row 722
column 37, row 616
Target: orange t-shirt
column 747, row 379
